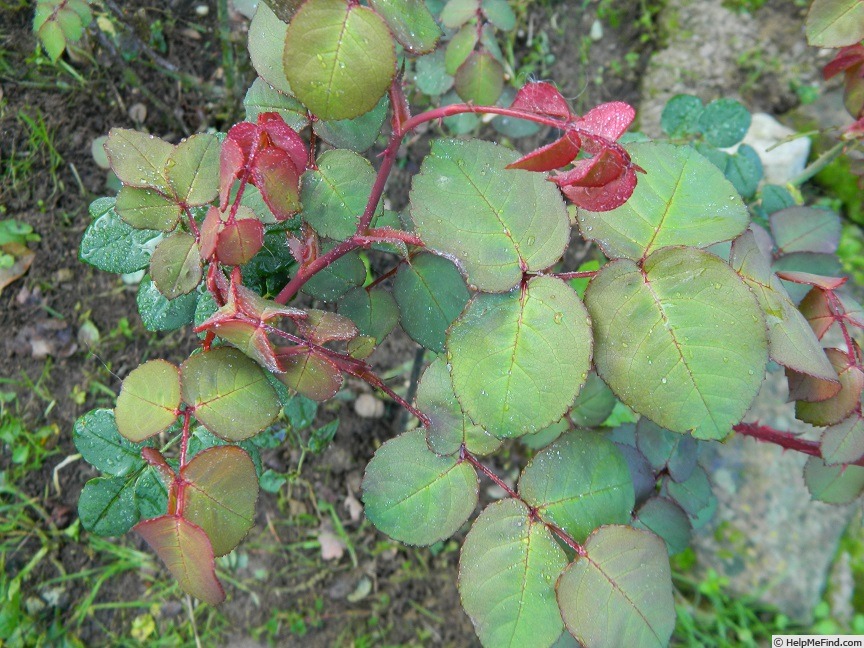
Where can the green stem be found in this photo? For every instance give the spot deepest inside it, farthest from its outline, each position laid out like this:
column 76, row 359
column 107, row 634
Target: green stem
column 818, row 164
column 225, row 43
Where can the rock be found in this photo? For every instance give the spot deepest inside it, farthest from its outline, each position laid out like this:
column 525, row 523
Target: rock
column 768, row 535
column 783, row 162
column 367, row 406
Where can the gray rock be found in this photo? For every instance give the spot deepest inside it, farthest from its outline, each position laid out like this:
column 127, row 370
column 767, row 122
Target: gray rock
column 768, row 537
column 784, row 161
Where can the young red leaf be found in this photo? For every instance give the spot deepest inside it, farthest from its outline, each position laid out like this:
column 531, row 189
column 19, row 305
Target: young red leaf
column 278, row 180
column 609, row 120
column 559, row 153
column 605, row 198
column 187, row 553
column 542, row 98
column 231, row 161
column 320, row 327
column 847, row 58
column 283, row 137
column 598, row 171
column 239, row 240
column 807, row 279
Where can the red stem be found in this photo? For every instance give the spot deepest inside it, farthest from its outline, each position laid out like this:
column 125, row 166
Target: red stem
column 192, row 224
column 306, row 272
column 783, row 439
column 587, row 274
column 184, row 441
column 392, row 271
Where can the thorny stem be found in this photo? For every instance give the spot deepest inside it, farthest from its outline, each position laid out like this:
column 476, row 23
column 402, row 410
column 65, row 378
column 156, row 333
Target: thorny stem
column 785, row 440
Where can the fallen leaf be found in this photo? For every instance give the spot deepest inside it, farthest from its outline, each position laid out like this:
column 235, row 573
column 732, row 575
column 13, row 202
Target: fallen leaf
column 332, row 547
column 22, row 259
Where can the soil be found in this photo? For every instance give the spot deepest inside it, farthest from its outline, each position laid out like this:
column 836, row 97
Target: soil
column 413, row 597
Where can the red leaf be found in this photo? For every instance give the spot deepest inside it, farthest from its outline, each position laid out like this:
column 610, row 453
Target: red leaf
column 209, row 232
column 846, row 58
column 603, row 198
column 244, row 135
column 187, row 553
column 609, row 119
column 320, row 327
column 598, row 171
column 542, row 98
column 552, row 156
column 231, row 163
column 277, row 178
column 239, row 241
column 286, row 138
column 826, row 283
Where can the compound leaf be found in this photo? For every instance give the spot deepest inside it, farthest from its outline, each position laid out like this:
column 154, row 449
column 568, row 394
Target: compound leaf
column 519, row 358
column 579, row 482
column 187, row 553
column 148, row 401
column 430, row 294
column 680, row 340
column 684, row 200
column 229, row 392
column 507, row 568
column 339, row 58
column 496, row 223
column 219, row 495
column 628, row 570
column 415, row 495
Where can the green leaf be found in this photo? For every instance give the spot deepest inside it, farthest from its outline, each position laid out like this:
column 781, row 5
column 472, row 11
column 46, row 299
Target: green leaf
column 339, row 58
column 193, row 169
column 667, row 520
column 665, row 450
column 430, row 294
column 335, row 194
column 262, row 98
column 176, row 265
column 112, row 245
column 266, row 44
column 579, row 482
column 160, row 314
column 843, row 442
column 791, row 341
column 338, row 278
column 151, row 494
column 744, row 171
column 411, row 23
column 805, row 229
column 480, row 79
column 186, row 551
column 312, row 374
column 680, row 116
column 835, row 23
column 101, row 445
column 495, row 222
column 832, row 410
column 147, row 209
column 457, row 12
column 148, row 401
column 499, row 14
column 449, row 427
column 724, row 122
column 833, row 484
column 357, row 134
column 541, row 439
column 507, row 568
column 321, row 438
column 219, row 495
column 775, row 198
column 52, row 37
column 594, row 403
column 139, row 159
column 459, row 48
column 374, row 311
column 416, row 496
column 107, row 506
column 694, row 494
column 431, row 74
column 620, row 594
column 684, row 200
column 301, row 412
column 229, row 392
column 519, row 359
column 680, row 340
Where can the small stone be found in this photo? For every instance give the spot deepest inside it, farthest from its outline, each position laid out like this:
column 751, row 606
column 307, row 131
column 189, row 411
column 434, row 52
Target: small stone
column 138, row 113
column 367, row 406
column 202, row 10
